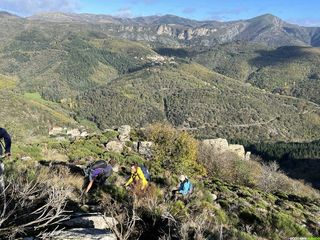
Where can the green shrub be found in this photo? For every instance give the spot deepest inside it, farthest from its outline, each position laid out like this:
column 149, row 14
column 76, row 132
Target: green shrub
column 179, row 209
column 82, row 149
column 31, row 150
column 174, row 150
column 287, row 227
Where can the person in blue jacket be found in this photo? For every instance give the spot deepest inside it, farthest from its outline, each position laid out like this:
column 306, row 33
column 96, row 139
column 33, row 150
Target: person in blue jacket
column 184, row 189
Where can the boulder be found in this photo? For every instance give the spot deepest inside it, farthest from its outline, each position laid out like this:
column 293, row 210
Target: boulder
column 84, row 134
column 115, row 146
column 56, row 131
column 26, row 158
column 219, row 144
column 116, row 168
column 74, row 132
column 145, row 148
column 124, row 133
column 238, row 150
column 83, row 234
column 135, row 146
column 96, row 221
column 214, row 197
column 60, row 138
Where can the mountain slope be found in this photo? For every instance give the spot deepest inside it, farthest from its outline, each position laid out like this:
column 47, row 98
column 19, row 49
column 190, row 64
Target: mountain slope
column 27, row 117
column 59, row 64
column 192, row 97
column 290, row 70
column 83, row 65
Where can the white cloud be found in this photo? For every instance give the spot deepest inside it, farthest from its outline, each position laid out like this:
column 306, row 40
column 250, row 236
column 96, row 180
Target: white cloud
column 29, row 7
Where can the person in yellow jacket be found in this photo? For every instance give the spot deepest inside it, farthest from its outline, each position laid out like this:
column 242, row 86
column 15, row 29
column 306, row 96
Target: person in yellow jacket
column 137, row 178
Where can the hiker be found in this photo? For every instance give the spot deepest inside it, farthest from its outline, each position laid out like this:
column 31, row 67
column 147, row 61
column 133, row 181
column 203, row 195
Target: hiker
column 138, row 177
column 98, row 173
column 7, row 142
column 184, row 188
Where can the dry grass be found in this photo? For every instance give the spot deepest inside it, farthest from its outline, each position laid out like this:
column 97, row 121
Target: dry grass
column 266, row 177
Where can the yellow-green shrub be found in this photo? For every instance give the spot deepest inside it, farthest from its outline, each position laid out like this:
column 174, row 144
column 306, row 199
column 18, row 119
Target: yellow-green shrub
column 174, row 150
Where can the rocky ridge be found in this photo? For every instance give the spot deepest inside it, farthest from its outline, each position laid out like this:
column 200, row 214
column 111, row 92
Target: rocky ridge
column 169, row 29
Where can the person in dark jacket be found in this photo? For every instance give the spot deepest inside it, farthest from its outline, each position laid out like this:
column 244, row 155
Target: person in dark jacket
column 98, row 173
column 7, row 142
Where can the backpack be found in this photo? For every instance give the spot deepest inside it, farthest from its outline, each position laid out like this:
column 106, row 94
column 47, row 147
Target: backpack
column 99, row 164
column 95, row 165
column 146, row 172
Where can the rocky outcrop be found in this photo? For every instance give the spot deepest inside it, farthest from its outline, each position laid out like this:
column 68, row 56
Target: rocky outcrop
column 93, row 220
column 124, row 133
column 83, row 234
column 221, row 145
column 183, row 33
column 145, row 148
column 74, row 132
column 62, row 133
column 115, row 146
column 56, row 131
column 87, row 226
column 238, row 150
column 218, row 145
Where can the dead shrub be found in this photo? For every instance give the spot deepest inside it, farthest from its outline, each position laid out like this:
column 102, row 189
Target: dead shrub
column 31, row 207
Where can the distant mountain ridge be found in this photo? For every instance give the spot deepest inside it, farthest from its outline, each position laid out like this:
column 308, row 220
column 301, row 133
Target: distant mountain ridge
column 267, row 29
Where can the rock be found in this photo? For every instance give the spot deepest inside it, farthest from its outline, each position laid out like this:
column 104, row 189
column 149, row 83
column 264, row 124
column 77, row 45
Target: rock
column 83, row 234
column 214, row 197
column 74, row 133
column 60, row 139
column 115, row 146
column 26, row 158
column 96, row 221
column 124, row 133
column 237, row 149
column 135, row 146
column 56, row 131
column 248, row 156
column 116, row 168
column 84, row 134
column 219, row 144
column 145, row 148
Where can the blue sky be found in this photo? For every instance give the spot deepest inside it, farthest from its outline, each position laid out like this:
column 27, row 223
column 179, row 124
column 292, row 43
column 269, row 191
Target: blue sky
column 297, row 11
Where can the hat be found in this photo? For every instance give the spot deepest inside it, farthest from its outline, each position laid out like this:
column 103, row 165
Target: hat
column 182, row 178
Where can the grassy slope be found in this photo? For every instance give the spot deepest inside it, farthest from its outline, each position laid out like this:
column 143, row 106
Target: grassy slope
column 243, row 212
column 28, row 116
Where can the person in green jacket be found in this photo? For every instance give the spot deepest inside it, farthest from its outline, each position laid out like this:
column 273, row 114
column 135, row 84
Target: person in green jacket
column 137, row 178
